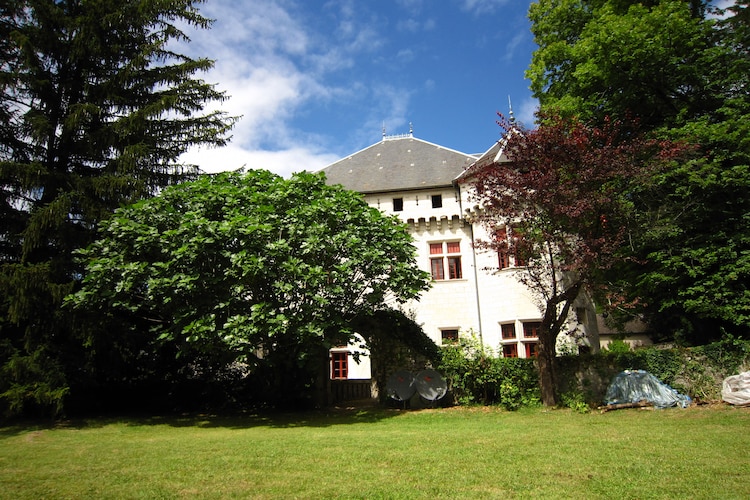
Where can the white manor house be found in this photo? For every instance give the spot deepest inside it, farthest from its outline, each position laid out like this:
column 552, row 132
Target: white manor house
column 473, row 291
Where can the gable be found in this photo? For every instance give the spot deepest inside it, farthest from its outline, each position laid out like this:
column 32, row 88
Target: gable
column 396, row 164
column 492, row 156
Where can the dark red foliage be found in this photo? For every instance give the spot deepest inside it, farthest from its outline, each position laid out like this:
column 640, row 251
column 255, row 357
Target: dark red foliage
column 565, row 194
column 566, row 187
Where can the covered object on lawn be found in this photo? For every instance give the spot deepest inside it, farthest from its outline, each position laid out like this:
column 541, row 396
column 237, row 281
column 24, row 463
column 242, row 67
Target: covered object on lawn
column 736, row 389
column 634, row 386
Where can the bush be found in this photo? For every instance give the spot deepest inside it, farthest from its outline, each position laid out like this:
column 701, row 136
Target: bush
column 476, row 376
column 697, row 371
column 576, row 401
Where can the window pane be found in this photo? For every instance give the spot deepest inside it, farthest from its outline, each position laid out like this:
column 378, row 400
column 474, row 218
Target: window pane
column 449, row 336
column 503, row 259
column 339, row 365
column 509, row 330
column 510, row 351
column 398, row 204
column 454, row 246
column 531, row 329
column 520, row 261
column 501, row 237
column 436, row 268
column 531, row 350
column 436, row 248
column 454, row 268
column 437, row 200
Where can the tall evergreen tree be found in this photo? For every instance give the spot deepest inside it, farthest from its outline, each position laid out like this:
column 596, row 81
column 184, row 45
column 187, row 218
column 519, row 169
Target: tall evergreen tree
column 95, row 110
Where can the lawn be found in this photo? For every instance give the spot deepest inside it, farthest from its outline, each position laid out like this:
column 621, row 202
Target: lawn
column 699, row 452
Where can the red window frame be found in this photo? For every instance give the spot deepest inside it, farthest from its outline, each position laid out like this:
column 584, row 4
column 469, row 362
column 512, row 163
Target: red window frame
column 510, row 351
column 519, row 249
column 436, row 269
column 437, row 264
column 508, row 331
column 339, row 365
column 454, row 268
column 503, row 255
column 531, row 349
column 503, row 259
column 531, row 329
column 449, row 335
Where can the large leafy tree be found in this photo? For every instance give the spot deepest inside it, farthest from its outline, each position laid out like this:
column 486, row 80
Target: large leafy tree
column 563, row 195
column 95, row 111
column 684, row 75
column 599, row 58
column 245, row 268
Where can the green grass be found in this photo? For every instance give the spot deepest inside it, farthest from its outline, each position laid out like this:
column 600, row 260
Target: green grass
column 700, row 452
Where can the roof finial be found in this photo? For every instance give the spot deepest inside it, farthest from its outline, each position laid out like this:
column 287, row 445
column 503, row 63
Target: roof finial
column 411, row 130
column 510, row 111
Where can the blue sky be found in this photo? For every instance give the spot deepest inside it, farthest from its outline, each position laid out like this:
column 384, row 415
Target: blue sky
column 316, row 80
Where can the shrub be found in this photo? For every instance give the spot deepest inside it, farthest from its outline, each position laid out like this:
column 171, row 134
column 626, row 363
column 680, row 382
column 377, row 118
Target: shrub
column 576, row 401
column 476, row 376
column 697, row 371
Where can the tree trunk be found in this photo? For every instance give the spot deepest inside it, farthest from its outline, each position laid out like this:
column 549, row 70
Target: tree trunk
column 546, row 355
column 552, row 323
column 546, row 365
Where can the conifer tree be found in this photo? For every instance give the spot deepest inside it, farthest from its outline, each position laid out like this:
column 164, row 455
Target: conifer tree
column 95, row 110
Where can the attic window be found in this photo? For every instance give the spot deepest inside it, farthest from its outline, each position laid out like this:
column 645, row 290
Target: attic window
column 398, row 204
column 437, row 200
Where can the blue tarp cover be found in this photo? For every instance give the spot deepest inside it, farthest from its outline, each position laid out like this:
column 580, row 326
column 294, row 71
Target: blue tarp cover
column 634, row 386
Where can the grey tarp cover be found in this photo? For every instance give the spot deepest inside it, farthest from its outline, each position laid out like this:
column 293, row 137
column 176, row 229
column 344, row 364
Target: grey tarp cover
column 634, row 386
column 736, row 389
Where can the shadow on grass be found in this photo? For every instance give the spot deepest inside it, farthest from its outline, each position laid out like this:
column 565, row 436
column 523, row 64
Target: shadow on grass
column 356, row 413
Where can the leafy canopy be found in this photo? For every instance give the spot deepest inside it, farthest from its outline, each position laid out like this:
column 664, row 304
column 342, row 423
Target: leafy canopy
column 247, row 263
column 561, row 206
column 684, row 75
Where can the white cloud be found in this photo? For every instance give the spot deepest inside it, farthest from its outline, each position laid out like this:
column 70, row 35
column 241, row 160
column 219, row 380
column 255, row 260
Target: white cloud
column 721, row 4
column 269, row 66
column 282, row 69
column 513, row 44
column 478, row 7
column 525, row 112
column 283, row 162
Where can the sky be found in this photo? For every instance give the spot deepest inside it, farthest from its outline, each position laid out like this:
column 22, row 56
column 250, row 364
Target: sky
column 317, row 80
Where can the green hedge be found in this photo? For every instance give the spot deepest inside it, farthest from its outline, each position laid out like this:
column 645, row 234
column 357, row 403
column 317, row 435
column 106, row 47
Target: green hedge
column 695, row 371
column 476, row 376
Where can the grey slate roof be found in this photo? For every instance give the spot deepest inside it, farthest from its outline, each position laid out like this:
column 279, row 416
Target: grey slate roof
column 396, row 164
